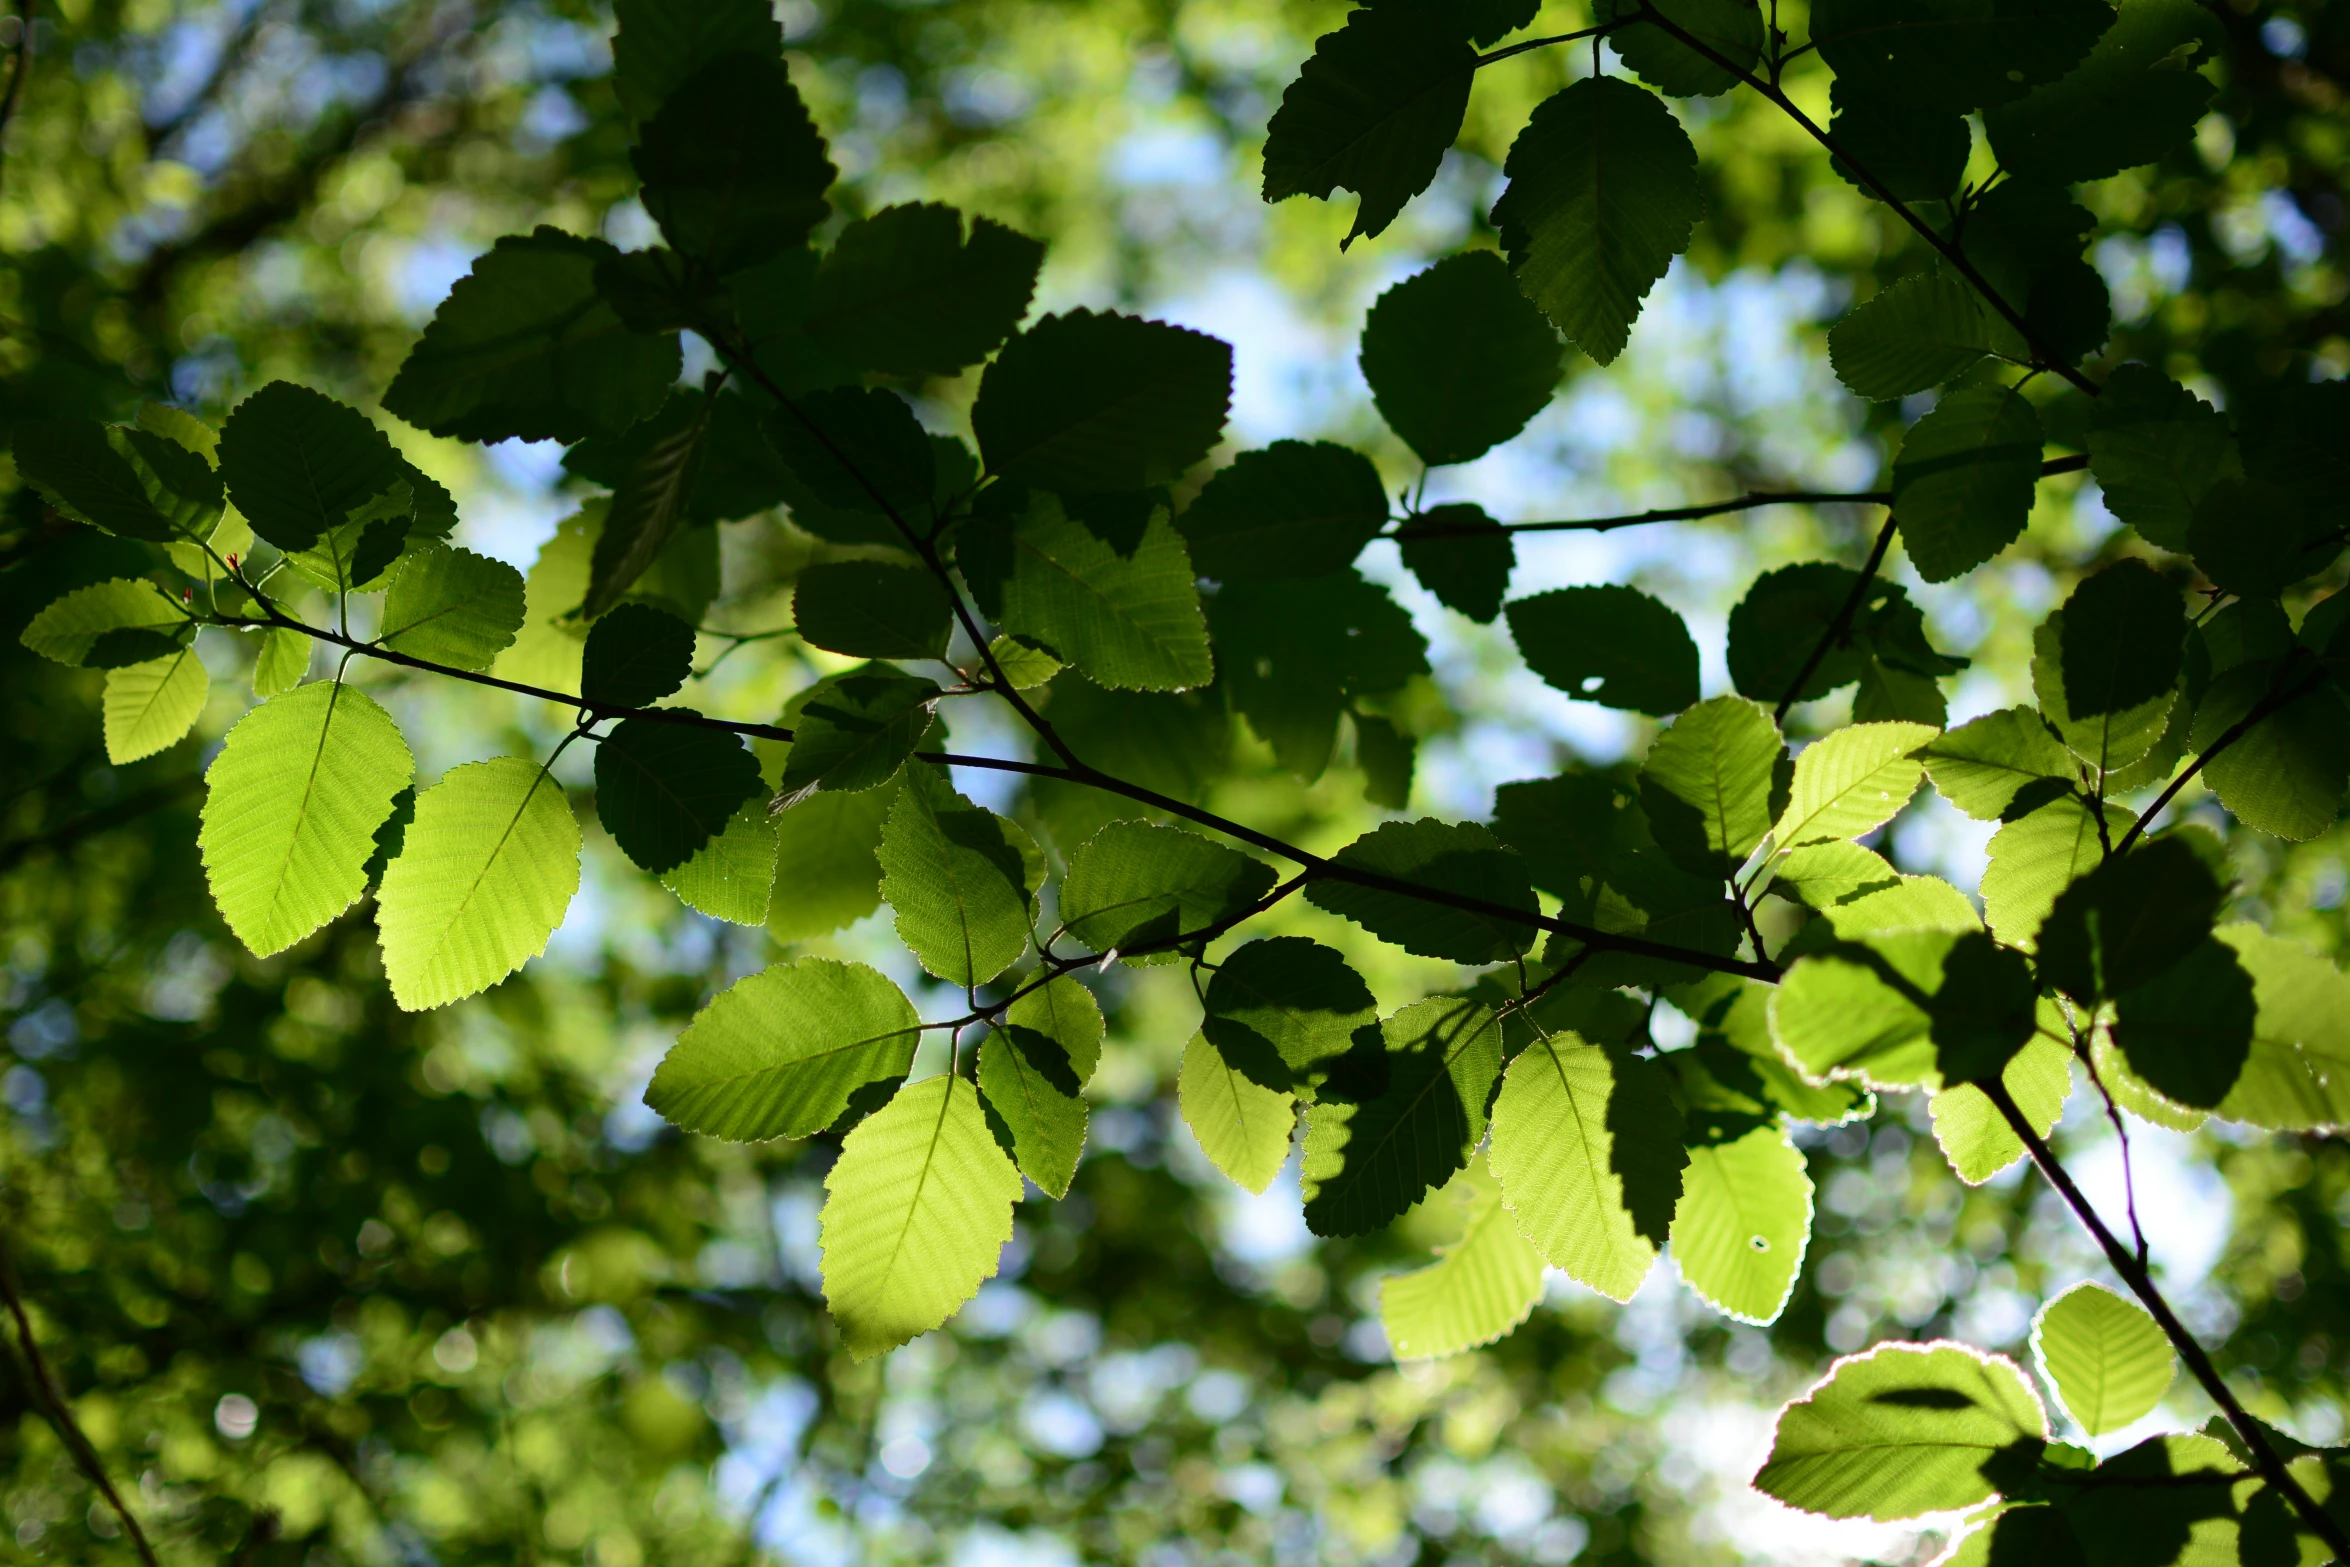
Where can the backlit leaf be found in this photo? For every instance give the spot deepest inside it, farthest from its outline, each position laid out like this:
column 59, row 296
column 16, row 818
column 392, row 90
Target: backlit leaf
column 1917, row 334
column 961, row 879
column 1371, row 1156
column 1478, row 1289
column 2106, row 1358
column 1032, row 1072
column 1457, row 359
column 779, row 1052
column 1742, row 1223
column 149, row 706
column 1242, row 1126
column 1090, row 403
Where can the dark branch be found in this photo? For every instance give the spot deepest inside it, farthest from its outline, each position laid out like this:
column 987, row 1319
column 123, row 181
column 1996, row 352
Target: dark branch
column 2278, row 699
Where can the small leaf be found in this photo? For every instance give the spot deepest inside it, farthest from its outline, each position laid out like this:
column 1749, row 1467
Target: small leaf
column 280, row 662
column 917, row 1209
column 1131, row 622
column 1922, row 331
column 1851, row 782
column 872, row 609
column 779, row 1053
column 1587, row 1147
column 2297, row 1076
column 733, row 169
column 149, row 706
column 2106, row 1358
column 961, row 879
column 664, row 790
column 1999, row 765
column 1707, row 785
column 83, row 628
column 1603, row 193
column 1374, row 110
column 2038, row 855
column 1478, row 1289
column 1459, row 858
column 648, row 507
column 2155, row 448
column 1458, row 360
column 1900, row 1431
column 1089, row 403
column 1743, row 1221
column 1031, row 1073
column 450, row 606
column 1243, row 1127
column 1133, row 883
column 857, row 729
column 907, row 291
column 291, row 808
column 1462, row 556
column 1287, row 1012
column 1370, row 1158
column 1290, row 510
column 659, row 45
column 1613, row 645
column 635, row 656
column 2128, row 921
column 1964, row 481
column 2187, row 1030
column 1975, row 1137
column 298, row 463
column 1732, row 29
column 483, row 877
column 2136, row 97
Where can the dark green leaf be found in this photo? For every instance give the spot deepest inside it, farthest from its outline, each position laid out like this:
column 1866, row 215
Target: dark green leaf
column 1952, row 54
column 2123, row 638
column 2286, row 774
column 2296, row 443
column 772, row 302
column 647, row 509
column 1782, row 618
column 907, row 292
column 525, row 347
column 961, row 879
column 1176, row 744
column 2244, row 632
column 2113, row 741
column 1462, row 556
column 1707, row 785
column 1964, row 481
column 1456, row 858
column 739, row 473
column 1570, row 831
column 2129, row 920
column 298, row 463
column 1458, row 360
column 2248, row 536
column 827, row 865
column 1916, row 150
column 1385, row 755
column 2136, row 96
column 1369, row 1159
column 1483, row 22
column 1290, row 510
column 856, row 730
column 1295, row 652
column 1090, row 403
column 635, row 656
column 858, row 449
column 1374, row 111
column 1033, row 1072
column 654, row 291
column 1983, row 1013
column 2155, row 448
column 1287, row 1012
column 660, row 44
column 2025, row 238
column 872, row 609
column 665, row 789
column 78, row 468
column 2187, row 1030
column 1133, row 883
column 733, row 169
column 1732, row 29
column 1603, row 193
column 1612, row 645
column 1919, row 333
column 2000, row 765
column 1131, row 622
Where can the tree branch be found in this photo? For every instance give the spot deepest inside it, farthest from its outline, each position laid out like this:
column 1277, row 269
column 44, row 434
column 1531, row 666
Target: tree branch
column 2141, row 1283
column 2278, row 699
column 1950, row 251
column 1843, row 621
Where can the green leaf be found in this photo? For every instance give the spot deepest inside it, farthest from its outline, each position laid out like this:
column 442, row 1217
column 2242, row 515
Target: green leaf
column 1132, row 622
column 291, row 808
column 524, row 347
column 2104, row 1356
column 2295, row 445
column 1134, row 882
column 1458, row 360
column 1953, row 55
column 549, row 649
column 1611, row 644
column 2121, row 641
column 2136, row 97
column 734, row 475
column 2297, row 1076
column 125, row 620
column 732, row 876
column 87, row 471
column 280, row 662
column 1570, row 831
column 2286, row 774
column 664, row 790
column 2024, row 238
column 1479, row 1288
column 148, row 706
column 635, row 656
column 1385, row 755
column 648, row 507
column 1823, row 875
column 2038, row 855
column 859, row 449
column 1851, row 782
column 2187, row 1029
column 1975, row 1137
column 908, row 291
column 1374, row 111
column 2178, row 1499
column 1287, row 1012
column 1242, row 1126
column 2248, row 537
column 1460, row 858
column 2000, row 765
column 1917, row 151
column 733, row 169
column 1743, row 1221
column 298, row 463
column 659, row 45
column 827, row 862
column 872, row 609
column 1901, row 903
column 1289, row 510
column 856, row 730
column 1735, row 1050
column 1919, row 333
column 1902, row 1430
column 1175, row 744
column 1089, row 403
column 1603, row 193
column 450, row 606
column 1732, row 29
column 1032, row 1073
column 1295, row 654
column 778, row 1053
column 1787, row 612
column 1904, row 1007
column 483, row 877
column 1707, row 785
column 917, row 1209
column 2126, row 922
column 962, row 880
column 1370, row 1158
column 1964, row 481
column 2155, row 448
column 1587, row 1147
column 1464, row 557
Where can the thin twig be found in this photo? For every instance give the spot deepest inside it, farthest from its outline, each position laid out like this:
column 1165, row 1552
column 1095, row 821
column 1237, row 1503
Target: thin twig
column 2275, row 702
column 1485, row 60
column 60, row 1414
column 1843, row 621
column 2141, row 1282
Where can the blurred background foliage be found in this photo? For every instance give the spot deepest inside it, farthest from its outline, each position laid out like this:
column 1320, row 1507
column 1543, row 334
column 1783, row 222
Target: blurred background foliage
column 328, row 1283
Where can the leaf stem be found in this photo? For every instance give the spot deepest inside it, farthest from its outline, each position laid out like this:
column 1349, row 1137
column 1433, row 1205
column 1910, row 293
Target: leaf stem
column 1485, row 60
column 1838, row 627
column 2140, row 1279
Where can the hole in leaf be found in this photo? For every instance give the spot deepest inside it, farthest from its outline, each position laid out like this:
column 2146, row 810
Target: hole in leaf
column 1759, row 1244
column 1592, row 683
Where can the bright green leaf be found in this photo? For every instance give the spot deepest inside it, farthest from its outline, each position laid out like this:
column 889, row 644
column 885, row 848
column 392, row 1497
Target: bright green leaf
column 2297, row 1076
column 1133, row 883
column 778, row 1053
column 1242, row 1126
column 1287, row 1012
column 1707, row 785
column 1743, row 1221
column 2036, row 857
column 125, row 620
column 856, row 730
column 733, row 875
column 1990, row 766
column 1032, row 1072
column 1478, row 1289
column 1369, row 1158
column 1851, row 782
column 961, row 879
column 1975, row 1137
column 2286, row 774
column 148, row 706
column 1132, row 622
column 451, row 606
column 827, row 864
column 2106, row 1358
